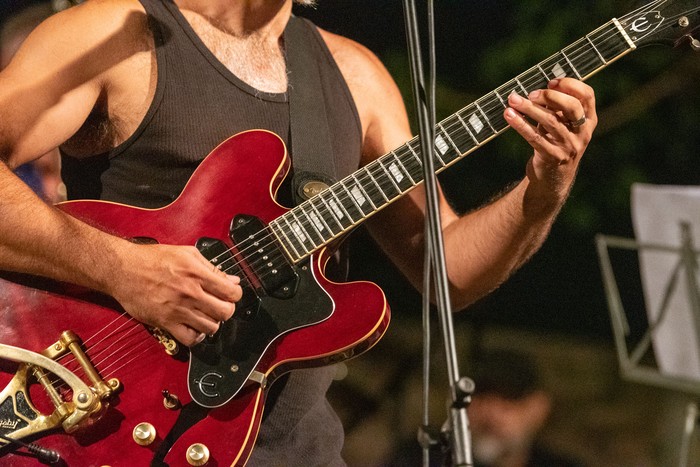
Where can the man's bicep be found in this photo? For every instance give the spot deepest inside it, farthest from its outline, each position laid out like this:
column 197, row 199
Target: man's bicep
column 58, row 74
column 43, row 100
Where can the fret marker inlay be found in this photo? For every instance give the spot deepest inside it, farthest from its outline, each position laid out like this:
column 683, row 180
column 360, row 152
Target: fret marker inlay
column 336, row 209
column 558, row 71
column 396, row 172
column 298, row 232
column 317, row 222
column 441, row 144
column 476, row 123
column 357, row 194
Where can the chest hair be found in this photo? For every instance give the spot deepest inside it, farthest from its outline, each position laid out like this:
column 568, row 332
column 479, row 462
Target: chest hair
column 254, row 58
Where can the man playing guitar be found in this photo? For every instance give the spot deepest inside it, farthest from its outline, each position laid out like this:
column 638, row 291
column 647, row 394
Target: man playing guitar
column 99, row 80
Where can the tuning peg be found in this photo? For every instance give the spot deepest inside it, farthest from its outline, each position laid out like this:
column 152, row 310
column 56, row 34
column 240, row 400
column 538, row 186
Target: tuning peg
column 694, row 44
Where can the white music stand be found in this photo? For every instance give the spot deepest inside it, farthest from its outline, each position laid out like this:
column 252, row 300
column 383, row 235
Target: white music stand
column 667, row 226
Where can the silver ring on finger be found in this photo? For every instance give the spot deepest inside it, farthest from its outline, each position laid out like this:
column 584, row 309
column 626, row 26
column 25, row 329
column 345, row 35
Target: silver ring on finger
column 577, row 123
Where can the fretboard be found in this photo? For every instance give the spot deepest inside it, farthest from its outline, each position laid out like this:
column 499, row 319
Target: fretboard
column 332, row 213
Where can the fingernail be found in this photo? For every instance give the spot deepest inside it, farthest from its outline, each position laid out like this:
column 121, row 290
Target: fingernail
column 515, row 98
column 554, row 83
column 510, row 113
column 535, row 94
column 200, row 338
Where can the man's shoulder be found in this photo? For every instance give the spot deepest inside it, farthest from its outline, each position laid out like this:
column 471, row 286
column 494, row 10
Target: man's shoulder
column 99, row 17
column 351, row 56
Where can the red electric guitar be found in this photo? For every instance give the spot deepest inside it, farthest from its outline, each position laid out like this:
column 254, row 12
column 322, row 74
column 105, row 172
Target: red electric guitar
column 86, row 385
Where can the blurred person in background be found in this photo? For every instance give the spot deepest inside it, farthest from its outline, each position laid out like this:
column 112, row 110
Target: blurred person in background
column 44, row 174
column 508, row 410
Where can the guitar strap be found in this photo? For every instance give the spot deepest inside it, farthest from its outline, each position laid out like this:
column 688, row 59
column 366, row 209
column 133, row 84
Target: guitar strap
column 312, row 153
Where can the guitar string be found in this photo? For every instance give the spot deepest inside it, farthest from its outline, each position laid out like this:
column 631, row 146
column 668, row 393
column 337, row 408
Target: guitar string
column 526, row 82
column 609, row 30
column 573, row 55
column 142, row 347
column 132, row 342
column 94, row 351
column 105, row 328
column 69, row 358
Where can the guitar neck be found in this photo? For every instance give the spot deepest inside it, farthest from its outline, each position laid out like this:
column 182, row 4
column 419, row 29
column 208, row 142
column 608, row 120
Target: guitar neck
column 332, row 213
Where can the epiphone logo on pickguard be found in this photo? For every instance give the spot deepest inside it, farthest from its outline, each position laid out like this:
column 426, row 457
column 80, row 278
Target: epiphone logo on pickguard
column 6, row 423
column 208, row 383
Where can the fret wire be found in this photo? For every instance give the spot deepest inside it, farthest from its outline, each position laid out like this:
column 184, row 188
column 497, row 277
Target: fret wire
column 340, row 203
column 330, row 212
column 350, row 206
column 377, row 184
column 555, row 65
column 596, row 50
column 389, row 176
column 571, row 64
column 543, row 72
column 406, row 171
column 437, row 154
column 295, row 234
column 288, row 240
column 521, row 86
column 466, row 127
column 534, row 81
column 614, row 33
column 320, row 217
column 459, row 152
column 302, row 226
column 352, row 198
column 439, row 158
column 311, row 221
column 367, row 196
column 497, row 119
column 485, row 116
column 501, row 99
column 460, row 139
column 378, row 171
column 586, row 56
column 486, row 110
column 420, row 161
column 417, row 164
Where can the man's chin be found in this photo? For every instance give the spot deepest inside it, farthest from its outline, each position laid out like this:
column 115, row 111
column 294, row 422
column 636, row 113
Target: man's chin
column 488, row 450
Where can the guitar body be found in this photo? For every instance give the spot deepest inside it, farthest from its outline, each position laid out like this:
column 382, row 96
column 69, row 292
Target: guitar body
column 239, row 177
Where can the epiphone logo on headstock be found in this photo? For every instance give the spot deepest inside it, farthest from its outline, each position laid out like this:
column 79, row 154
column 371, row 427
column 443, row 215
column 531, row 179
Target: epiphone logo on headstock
column 8, row 423
column 648, row 22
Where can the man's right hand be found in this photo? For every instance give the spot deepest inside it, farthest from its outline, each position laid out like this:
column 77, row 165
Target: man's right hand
column 174, row 288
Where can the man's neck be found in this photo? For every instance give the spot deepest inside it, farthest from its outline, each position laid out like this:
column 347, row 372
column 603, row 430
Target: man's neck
column 243, row 18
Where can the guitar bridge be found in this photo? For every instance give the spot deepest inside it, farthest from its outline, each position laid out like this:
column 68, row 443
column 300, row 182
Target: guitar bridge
column 73, row 408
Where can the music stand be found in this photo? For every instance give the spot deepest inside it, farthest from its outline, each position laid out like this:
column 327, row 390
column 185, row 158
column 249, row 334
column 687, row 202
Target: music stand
column 667, row 354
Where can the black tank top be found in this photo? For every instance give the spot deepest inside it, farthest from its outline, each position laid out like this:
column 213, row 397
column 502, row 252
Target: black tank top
column 198, row 103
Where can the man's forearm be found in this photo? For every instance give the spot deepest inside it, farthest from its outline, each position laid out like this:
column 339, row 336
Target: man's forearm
column 485, row 247
column 39, row 239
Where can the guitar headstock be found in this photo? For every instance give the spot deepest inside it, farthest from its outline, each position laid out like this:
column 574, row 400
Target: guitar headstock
column 671, row 22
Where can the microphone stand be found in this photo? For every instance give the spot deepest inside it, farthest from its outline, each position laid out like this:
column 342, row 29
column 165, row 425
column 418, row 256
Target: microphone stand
column 455, row 437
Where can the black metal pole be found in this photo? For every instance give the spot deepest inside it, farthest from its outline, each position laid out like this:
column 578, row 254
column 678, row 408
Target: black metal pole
column 457, row 427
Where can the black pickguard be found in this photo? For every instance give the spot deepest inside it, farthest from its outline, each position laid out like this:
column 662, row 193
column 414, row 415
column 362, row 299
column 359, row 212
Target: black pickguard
column 221, row 364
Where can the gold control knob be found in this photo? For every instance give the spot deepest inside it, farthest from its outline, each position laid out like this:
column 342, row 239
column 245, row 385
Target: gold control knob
column 197, row 454
column 144, row 434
